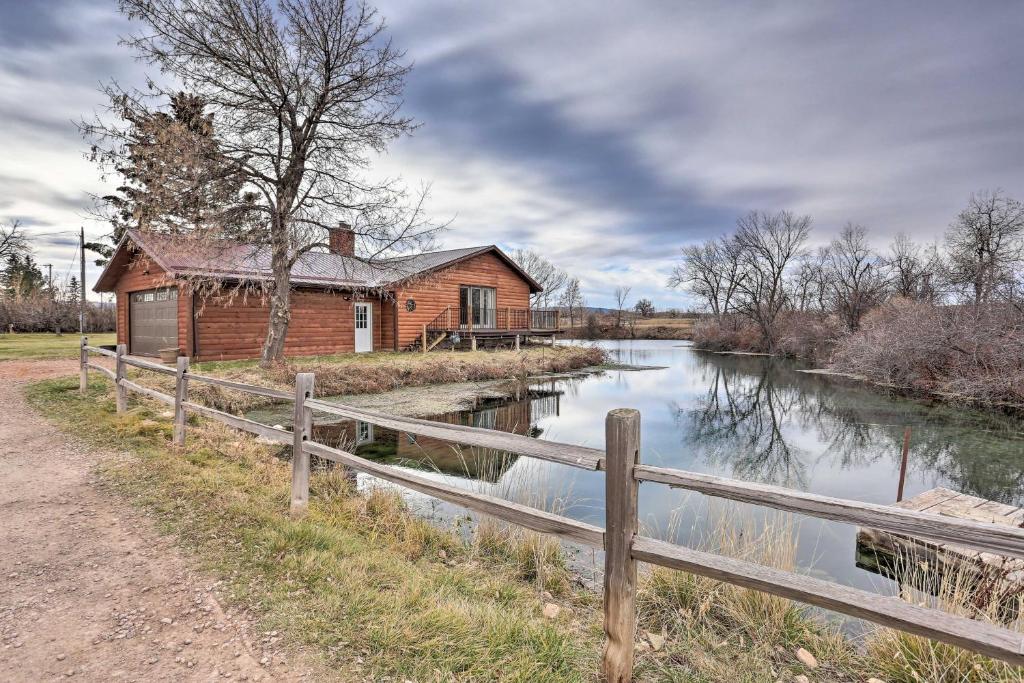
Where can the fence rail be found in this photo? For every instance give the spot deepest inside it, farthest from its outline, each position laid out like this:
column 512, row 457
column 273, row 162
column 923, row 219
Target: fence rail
column 620, row 539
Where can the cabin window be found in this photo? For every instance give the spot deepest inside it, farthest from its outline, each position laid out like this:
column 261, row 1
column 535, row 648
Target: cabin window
column 364, row 433
column 478, row 306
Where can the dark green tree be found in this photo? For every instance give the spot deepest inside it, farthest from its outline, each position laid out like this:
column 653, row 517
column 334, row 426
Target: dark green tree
column 22, row 276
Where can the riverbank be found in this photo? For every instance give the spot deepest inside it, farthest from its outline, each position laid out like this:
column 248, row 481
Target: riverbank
column 640, row 328
column 456, row 376
column 972, row 355
column 379, row 594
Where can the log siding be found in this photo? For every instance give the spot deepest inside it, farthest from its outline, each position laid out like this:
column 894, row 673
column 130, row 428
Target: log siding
column 441, row 290
column 224, row 327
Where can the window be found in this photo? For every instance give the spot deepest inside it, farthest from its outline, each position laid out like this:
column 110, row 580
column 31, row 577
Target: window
column 166, row 294
column 364, row 432
column 361, row 317
column 478, row 305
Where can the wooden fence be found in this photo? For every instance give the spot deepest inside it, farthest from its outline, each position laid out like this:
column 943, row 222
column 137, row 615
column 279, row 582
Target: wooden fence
column 621, row 540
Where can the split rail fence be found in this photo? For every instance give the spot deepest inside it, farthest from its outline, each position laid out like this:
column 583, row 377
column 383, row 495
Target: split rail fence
column 620, row 539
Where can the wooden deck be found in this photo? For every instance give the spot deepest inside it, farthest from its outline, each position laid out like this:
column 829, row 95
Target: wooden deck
column 890, row 551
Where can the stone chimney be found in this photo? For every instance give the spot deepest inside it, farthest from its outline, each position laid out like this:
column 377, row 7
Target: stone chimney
column 342, row 239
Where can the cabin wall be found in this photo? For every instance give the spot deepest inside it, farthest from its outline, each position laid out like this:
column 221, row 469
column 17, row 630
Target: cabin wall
column 142, row 274
column 322, row 323
column 387, row 325
column 442, row 290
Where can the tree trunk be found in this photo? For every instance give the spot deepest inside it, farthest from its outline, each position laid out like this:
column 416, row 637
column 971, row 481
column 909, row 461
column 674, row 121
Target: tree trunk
column 280, row 304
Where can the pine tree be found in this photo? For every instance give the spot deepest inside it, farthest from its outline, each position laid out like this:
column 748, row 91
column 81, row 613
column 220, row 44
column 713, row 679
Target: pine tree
column 73, row 291
column 175, row 178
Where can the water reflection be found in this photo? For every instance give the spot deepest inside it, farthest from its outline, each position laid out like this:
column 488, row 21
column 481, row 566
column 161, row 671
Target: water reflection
column 739, row 424
column 739, row 416
column 518, row 416
column 757, row 415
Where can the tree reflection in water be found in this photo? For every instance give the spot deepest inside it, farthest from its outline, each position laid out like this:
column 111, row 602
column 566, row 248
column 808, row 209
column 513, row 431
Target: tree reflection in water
column 755, row 410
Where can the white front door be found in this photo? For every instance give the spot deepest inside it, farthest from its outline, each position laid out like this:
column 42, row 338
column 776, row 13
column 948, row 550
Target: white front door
column 364, row 328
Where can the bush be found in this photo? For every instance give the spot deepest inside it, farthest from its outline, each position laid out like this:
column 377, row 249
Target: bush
column 39, row 312
column 728, row 333
column 809, row 336
column 965, row 352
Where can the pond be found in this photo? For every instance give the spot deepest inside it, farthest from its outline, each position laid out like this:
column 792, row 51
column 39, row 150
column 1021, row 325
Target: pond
column 741, row 416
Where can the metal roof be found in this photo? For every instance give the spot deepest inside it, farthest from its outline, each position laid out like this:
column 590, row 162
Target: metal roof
column 180, row 256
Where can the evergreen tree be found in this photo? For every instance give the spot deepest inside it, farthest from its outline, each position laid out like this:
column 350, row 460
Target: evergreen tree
column 22, row 276
column 175, row 178
column 73, row 291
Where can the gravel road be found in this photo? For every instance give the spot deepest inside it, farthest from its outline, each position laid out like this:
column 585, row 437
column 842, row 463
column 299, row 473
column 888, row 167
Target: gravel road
column 88, row 589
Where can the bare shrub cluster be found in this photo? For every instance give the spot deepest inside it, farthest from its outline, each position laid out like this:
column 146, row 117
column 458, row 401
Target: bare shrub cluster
column 962, row 351
column 944, row 318
column 40, row 312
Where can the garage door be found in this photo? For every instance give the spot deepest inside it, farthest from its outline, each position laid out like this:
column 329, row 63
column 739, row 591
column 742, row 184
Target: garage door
column 153, row 321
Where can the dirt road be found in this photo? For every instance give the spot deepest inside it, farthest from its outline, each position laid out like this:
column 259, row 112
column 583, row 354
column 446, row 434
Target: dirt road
column 88, row 589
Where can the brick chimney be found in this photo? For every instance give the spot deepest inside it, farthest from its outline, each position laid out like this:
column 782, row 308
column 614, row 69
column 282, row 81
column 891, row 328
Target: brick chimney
column 342, row 239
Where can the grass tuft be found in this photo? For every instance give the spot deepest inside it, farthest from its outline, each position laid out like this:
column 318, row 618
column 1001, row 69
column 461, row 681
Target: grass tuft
column 381, row 594
column 358, row 579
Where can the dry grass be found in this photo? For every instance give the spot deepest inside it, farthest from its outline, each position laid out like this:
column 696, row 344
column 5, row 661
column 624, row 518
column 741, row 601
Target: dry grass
column 372, row 373
column 995, row 597
column 716, row 631
column 380, row 593
column 674, row 323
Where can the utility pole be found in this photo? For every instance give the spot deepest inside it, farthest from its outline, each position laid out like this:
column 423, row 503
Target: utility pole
column 49, row 276
column 81, row 303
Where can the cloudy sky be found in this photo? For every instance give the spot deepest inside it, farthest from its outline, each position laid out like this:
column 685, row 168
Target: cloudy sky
column 606, row 135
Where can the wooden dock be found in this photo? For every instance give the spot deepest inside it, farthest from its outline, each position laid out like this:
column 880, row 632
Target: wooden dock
column 888, row 553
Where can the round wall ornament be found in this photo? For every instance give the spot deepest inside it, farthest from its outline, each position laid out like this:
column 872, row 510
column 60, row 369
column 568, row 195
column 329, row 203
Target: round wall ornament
column 410, row 305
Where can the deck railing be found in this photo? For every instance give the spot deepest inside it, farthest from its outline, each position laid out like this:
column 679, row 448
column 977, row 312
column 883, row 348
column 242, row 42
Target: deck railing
column 494, row 318
column 620, row 539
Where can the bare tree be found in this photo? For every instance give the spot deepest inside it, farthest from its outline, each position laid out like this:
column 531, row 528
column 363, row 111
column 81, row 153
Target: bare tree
column 572, row 300
column 546, row 274
column 769, row 244
column 907, row 267
column 811, row 282
column 13, row 241
column 644, row 308
column 711, row 272
column 985, row 245
column 302, row 93
column 857, row 280
column 621, row 296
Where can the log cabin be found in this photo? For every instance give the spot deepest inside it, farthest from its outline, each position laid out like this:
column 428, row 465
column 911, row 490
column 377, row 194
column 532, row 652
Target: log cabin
column 340, row 303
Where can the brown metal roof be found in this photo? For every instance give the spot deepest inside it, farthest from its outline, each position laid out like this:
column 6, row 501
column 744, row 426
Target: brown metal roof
column 180, row 256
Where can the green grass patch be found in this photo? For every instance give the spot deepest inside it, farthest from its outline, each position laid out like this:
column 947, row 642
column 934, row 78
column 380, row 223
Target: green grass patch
column 46, row 345
column 373, row 589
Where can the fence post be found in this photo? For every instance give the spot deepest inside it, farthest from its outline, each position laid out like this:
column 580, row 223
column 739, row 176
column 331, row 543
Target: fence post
column 302, row 428
column 120, row 392
column 83, row 372
column 424, row 338
column 180, row 397
column 622, row 451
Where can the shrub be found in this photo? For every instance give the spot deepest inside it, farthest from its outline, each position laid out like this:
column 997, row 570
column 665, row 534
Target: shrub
column 965, row 352
column 809, row 336
column 728, row 333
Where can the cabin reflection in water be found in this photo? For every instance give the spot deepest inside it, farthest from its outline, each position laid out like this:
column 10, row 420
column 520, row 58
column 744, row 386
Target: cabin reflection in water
column 428, row 453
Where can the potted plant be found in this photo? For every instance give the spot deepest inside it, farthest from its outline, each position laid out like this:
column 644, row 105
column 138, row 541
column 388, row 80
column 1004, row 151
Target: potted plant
column 169, row 356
